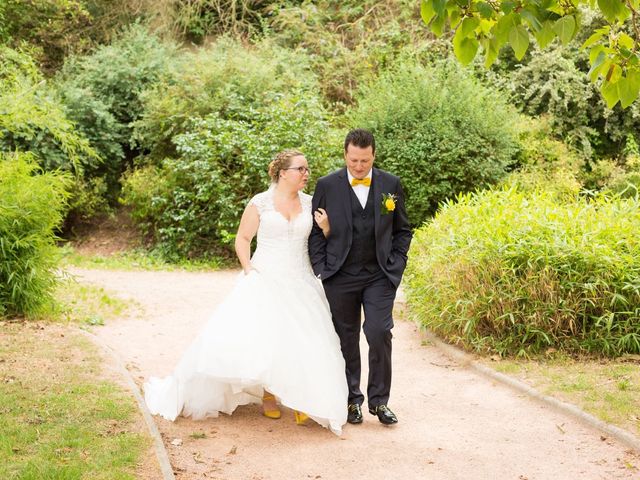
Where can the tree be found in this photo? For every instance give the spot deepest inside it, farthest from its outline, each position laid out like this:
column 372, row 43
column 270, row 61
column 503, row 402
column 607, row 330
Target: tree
column 491, row 24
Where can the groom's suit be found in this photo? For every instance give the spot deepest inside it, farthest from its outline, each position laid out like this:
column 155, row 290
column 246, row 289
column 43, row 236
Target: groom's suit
column 361, row 265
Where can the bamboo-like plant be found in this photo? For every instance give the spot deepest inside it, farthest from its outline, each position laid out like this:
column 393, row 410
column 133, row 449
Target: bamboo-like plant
column 518, row 271
column 31, row 208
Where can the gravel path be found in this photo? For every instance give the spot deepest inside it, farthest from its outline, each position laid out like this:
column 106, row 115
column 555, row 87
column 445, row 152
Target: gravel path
column 454, row 424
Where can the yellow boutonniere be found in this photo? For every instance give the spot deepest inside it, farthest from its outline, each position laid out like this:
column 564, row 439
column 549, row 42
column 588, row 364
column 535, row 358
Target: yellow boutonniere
column 388, row 203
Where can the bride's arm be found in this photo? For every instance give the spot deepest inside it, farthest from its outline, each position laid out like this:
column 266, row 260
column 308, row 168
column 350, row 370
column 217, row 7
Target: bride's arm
column 246, row 231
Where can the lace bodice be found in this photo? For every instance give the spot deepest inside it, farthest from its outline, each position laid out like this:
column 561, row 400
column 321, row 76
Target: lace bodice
column 282, row 244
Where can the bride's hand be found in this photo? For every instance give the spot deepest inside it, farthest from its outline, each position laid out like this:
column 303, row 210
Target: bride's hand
column 322, row 219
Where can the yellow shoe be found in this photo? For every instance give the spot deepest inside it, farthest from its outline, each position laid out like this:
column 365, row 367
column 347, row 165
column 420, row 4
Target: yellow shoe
column 275, row 413
column 301, row 418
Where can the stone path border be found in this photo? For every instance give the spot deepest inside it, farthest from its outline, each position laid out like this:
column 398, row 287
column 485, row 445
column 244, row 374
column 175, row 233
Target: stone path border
column 161, row 452
column 621, row 435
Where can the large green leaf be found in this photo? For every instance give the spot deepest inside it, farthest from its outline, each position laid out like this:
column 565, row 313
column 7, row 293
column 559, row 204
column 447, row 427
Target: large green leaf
column 426, row 11
column 628, row 89
column 519, row 40
column 484, row 9
column 545, row 35
column 465, row 48
column 502, row 28
column 596, row 65
column 468, row 26
column 610, row 8
column 610, row 93
column 565, row 27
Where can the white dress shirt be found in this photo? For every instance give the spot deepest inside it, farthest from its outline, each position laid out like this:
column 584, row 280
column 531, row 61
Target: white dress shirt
column 361, row 191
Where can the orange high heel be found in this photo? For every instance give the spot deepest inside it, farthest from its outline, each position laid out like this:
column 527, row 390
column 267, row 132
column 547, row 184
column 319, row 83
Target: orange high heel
column 301, row 418
column 274, row 414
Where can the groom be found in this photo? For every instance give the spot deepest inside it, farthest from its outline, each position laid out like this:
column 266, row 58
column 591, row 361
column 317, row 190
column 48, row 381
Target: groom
column 360, row 263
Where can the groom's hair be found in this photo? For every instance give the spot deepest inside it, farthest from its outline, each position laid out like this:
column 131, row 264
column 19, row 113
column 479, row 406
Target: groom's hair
column 360, row 138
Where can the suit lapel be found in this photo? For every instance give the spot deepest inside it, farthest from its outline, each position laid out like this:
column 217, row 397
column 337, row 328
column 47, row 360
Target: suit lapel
column 377, row 194
column 345, row 196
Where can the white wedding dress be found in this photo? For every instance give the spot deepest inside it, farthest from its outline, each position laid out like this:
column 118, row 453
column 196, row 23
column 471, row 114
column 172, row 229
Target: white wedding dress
column 272, row 332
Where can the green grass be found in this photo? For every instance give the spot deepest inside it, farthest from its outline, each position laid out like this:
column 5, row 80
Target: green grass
column 84, row 304
column 59, row 419
column 607, row 389
column 137, row 259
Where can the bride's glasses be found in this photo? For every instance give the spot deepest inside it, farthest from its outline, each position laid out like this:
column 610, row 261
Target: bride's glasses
column 302, row 170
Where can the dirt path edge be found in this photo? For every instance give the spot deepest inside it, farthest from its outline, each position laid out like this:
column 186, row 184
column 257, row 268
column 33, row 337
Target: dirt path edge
column 619, row 434
column 161, row 453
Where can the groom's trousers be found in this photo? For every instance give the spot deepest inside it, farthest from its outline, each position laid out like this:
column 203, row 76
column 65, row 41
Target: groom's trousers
column 348, row 295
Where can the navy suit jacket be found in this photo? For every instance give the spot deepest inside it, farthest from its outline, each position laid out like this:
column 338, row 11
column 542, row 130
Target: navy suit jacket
column 392, row 231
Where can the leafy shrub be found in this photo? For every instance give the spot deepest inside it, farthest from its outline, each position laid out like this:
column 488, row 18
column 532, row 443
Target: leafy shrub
column 102, row 95
column 225, row 77
column 31, row 209
column 54, row 27
column 439, row 129
column 349, row 42
column 211, row 132
column 520, row 272
column 34, row 121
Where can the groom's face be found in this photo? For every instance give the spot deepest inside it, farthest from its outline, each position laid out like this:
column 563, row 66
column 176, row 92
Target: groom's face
column 359, row 160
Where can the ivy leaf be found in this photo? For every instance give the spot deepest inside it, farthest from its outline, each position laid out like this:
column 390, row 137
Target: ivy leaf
column 426, row 11
column 565, row 28
column 519, row 40
column 545, row 35
column 464, row 48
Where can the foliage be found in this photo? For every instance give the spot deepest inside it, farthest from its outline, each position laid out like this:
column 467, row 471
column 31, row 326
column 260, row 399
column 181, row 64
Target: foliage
column 196, row 19
column 211, row 132
column 31, row 209
column 225, row 77
column 540, row 150
column 613, row 48
column 33, row 118
column 439, row 129
column 518, row 272
column 55, row 29
column 349, row 42
column 102, row 95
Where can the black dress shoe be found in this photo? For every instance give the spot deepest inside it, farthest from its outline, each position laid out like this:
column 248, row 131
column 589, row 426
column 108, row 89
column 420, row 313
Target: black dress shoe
column 354, row 413
column 384, row 414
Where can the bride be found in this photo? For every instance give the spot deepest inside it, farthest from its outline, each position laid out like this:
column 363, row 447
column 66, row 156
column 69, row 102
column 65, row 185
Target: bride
column 272, row 339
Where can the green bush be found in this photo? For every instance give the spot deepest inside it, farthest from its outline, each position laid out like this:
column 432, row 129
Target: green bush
column 211, row 133
column 34, row 120
column 31, row 209
column 225, row 77
column 439, row 129
column 519, row 272
column 102, row 95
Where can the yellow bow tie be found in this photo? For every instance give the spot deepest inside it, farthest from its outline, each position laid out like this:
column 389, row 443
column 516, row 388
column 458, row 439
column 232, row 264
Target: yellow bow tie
column 365, row 181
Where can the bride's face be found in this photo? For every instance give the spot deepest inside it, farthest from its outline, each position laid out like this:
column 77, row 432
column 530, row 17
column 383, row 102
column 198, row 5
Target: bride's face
column 296, row 175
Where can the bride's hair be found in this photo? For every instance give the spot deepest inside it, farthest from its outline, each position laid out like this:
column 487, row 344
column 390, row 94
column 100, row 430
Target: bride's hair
column 281, row 161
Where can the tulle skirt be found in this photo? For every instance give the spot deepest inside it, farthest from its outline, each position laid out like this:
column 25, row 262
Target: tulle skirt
column 271, row 332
